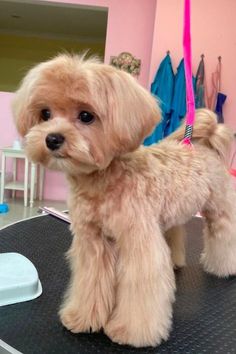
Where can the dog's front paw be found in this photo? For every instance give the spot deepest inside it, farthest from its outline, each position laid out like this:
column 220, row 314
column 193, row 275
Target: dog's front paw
column 136, row 337
column 118, row 334
column 72, row 320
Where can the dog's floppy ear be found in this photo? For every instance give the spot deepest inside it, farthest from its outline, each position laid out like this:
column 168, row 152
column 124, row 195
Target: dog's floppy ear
column 133, row 111
column 23, row 115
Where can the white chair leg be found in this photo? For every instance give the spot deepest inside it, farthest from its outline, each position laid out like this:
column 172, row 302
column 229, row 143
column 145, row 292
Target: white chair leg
column 36, row 183
column 2, row 178
column 32, row 184
column 41, row 181
column 14, row 176
column 26, row 182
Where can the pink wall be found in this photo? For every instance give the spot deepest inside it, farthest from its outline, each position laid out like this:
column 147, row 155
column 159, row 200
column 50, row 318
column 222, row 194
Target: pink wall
column 213, row 33
column 129, row 28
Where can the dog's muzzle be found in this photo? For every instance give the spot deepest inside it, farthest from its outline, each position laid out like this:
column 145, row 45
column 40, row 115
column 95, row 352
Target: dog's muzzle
column 54, row 141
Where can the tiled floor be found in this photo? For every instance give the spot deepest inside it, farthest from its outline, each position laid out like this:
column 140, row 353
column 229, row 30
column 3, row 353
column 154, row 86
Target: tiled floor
column 17, row 211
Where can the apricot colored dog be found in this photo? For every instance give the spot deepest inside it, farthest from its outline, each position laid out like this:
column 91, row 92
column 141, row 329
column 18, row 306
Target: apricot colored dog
column 127, row 202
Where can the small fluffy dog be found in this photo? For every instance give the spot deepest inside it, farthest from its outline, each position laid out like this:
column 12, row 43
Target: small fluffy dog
column 127, row 203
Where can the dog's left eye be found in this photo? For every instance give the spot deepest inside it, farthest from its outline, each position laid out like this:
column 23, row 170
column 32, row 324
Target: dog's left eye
column 45, row 114
column 86, row 117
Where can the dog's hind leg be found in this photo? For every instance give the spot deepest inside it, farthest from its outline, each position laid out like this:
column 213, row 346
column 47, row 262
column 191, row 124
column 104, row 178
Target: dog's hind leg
column 145, row 287
column 90, row 297
column 219, row 254
column 175, row 238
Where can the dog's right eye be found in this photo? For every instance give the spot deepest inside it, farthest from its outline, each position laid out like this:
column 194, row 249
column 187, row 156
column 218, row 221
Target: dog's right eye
column 45, row 114
column 86, row 117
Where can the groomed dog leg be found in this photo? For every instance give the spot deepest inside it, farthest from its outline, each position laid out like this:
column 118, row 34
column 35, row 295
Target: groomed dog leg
column 219, row 254
column 145, row 287
column 90, row 296
column 175, row 238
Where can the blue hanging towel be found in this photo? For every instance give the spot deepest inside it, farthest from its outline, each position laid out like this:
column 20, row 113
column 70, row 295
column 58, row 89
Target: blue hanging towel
column 178, row 107
column 162, row 88
column 221, row 97
column 220, row 100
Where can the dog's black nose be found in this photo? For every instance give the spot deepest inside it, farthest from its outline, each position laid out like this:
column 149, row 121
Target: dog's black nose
column 54, row 141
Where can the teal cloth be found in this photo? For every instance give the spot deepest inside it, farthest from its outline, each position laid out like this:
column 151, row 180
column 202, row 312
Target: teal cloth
column 162, row 88
column 178, row 106
column 170, row 91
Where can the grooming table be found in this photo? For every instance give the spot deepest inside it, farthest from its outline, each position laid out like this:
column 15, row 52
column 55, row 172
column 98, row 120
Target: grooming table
column 204, row 311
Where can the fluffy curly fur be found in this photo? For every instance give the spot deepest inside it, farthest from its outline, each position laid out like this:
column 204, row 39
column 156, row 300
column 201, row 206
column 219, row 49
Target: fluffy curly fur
column 127, row 203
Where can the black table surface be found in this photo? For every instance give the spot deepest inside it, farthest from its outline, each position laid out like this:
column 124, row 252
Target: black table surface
column 204, row 319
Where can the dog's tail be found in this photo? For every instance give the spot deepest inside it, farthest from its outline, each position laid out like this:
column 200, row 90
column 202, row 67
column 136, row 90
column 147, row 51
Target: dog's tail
column 207, row 131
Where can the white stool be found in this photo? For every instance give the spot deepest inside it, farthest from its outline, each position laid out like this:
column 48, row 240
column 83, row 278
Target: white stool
column 16, row 185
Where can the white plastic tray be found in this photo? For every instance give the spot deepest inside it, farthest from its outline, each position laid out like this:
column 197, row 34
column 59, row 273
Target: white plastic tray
column 19, row 279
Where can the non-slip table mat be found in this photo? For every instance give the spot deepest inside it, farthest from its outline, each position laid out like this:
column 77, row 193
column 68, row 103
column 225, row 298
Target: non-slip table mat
column 204, row 311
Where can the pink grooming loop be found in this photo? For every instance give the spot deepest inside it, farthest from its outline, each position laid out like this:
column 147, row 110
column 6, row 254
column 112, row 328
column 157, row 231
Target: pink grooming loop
column 188, row 75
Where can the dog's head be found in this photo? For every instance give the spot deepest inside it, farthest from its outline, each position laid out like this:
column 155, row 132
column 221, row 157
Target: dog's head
column 78, row 115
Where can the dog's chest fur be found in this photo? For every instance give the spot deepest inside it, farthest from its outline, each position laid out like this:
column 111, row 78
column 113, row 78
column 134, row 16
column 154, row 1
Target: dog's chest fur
column 141, row 184
column 98, row 200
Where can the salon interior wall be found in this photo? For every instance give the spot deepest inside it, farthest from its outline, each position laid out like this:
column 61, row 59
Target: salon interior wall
column 148, row 29
column 130, row 27
column 213, row 34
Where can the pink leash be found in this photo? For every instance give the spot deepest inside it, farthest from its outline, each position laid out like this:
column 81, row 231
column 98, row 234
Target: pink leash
column 190, row 102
